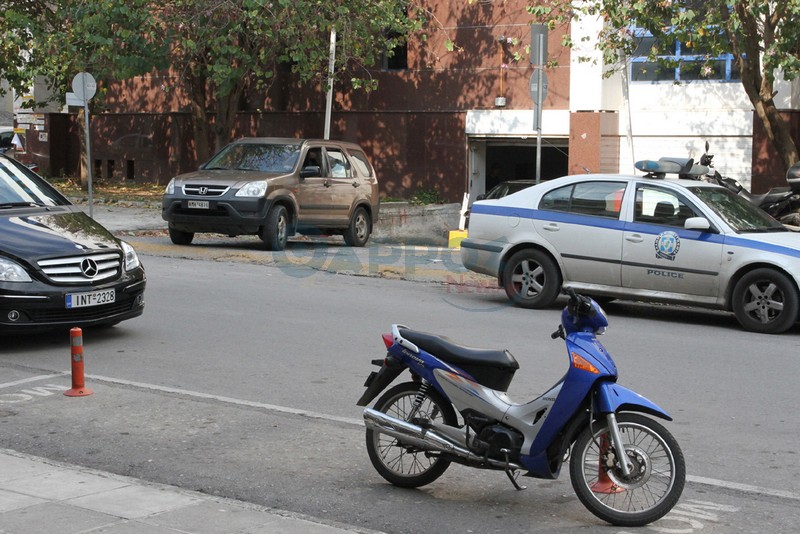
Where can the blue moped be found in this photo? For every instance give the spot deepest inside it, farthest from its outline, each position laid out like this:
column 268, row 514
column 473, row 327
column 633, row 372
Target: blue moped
column 626, row 468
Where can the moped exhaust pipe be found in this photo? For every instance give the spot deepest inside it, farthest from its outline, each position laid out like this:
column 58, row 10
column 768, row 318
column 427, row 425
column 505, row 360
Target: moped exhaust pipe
column 425, row 438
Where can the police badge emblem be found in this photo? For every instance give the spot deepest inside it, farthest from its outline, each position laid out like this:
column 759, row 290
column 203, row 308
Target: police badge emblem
column 667, row 245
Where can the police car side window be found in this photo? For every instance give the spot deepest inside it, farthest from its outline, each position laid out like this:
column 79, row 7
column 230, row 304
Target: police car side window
column 557, row 199
column 661, row 206
column 599, row 199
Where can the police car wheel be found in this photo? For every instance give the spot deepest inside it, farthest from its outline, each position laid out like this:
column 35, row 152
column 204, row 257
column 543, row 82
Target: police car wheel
column 765, row 301
column 531, row 279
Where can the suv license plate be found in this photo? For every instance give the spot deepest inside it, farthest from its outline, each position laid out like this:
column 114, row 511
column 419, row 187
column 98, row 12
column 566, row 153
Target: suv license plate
column 91, row 298
column 198, row 204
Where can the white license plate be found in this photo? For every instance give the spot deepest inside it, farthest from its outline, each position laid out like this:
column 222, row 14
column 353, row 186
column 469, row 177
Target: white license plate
column 91, row 298
column 198, row 204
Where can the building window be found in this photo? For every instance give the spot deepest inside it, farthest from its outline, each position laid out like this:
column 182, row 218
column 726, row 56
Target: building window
column 679, row 62
column 397, row 59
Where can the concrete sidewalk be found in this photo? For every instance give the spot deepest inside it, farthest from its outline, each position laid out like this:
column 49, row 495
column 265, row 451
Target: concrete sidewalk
column 40, row 496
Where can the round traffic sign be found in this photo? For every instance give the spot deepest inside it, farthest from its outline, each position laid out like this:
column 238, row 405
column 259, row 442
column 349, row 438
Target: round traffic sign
column 84, row 86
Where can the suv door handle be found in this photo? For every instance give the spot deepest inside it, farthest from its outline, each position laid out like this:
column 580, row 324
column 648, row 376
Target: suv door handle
column 635, row 238
column 355, row 183
column 552, row 227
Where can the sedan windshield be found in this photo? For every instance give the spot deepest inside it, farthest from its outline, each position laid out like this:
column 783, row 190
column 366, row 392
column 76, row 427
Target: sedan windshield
column 740, row 214
column 19, row 187
column 256, row 157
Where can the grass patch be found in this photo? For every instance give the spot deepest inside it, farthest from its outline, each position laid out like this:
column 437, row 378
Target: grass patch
column 110, row 190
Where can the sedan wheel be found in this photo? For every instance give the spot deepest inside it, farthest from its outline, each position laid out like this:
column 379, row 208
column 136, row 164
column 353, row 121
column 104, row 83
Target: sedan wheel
column 765, row 301
column 531, row 279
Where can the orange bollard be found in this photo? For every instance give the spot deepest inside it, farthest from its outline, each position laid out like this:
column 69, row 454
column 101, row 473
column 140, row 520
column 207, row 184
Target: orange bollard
column 79, row 388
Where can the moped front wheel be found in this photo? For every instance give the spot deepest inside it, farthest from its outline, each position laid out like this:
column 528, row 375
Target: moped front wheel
column 656, row 479
column 403, row 464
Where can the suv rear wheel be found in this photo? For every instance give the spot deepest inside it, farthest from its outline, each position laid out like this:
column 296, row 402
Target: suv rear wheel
column 275, row 232
column 357, row 233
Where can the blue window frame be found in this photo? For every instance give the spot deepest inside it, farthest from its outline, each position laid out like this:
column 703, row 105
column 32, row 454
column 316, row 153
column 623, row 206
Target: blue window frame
column 689, row 64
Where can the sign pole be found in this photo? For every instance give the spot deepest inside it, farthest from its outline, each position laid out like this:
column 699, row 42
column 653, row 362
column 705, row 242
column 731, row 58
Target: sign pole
column 329, row 96
column 85, row 87
column 538, row 86
column 88, row 155
column 538, row 112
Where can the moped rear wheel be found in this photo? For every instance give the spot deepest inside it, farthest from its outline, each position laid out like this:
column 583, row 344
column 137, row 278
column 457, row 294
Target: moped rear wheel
column 406, row 465
column 654, row 485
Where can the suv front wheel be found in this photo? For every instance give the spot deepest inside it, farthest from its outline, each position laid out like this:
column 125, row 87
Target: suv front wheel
column 275, row 232
column 179, row 237
column 357, row 233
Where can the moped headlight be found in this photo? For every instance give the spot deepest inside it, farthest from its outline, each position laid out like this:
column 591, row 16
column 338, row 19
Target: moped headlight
column 170, row 190
column 253, row 189
column 11, row 271
column 131, row 258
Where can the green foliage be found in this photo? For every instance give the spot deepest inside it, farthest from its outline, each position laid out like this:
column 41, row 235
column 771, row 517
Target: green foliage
column 427, row 196
column 216, row 48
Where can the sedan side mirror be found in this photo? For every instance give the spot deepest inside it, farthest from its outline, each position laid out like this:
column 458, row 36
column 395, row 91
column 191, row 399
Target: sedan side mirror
column 697, row 223
column 310, row 171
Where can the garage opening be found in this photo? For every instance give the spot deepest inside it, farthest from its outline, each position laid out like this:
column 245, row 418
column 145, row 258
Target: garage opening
column 517, row 161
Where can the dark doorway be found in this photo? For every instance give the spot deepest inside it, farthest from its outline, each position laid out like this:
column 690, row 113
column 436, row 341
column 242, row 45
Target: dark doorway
column 518, row 162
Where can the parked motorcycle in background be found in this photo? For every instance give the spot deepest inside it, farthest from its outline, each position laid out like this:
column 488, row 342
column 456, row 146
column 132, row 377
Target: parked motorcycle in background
column 626, row 468
column 783, row 203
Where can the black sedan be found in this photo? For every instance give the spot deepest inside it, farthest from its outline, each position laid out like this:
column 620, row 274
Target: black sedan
column 58, row 267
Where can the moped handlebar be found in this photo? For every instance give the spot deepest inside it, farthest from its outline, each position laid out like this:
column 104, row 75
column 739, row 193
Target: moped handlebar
column 578, row 304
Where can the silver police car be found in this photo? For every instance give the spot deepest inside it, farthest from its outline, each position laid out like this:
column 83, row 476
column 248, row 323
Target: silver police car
column 639, row 237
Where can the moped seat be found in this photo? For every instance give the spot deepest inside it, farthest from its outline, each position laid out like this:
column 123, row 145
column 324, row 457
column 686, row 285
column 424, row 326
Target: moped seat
column 489, row 367
column 447, row 350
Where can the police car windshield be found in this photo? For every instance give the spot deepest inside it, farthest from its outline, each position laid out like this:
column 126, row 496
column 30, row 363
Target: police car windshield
column 740, row 214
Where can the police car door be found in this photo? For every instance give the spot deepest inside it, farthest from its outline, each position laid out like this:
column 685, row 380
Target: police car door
column 660, row 255
column 582, row 223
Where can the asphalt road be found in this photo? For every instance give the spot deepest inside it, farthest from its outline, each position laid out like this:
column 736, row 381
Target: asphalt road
column 241, row 378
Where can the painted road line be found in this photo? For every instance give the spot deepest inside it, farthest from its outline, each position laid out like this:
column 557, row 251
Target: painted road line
column 229, row 400
column 31, row 379
column 723, row 484
column 747, row 488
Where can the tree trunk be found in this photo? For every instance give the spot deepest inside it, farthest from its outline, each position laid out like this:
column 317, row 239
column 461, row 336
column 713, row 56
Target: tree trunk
column 83, row 169
column 778, row 131
column 746, row 43
column 200, row 126
column 227, row 107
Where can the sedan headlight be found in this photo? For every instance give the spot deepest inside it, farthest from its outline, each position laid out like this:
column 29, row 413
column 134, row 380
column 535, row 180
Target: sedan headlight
column 170, row 190
column 11, row 271
column 131, row 259
column 253, row 189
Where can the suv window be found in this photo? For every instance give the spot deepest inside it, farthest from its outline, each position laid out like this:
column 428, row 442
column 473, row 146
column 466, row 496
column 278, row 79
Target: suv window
column 655, row 205
column 599, row 199
column 338, row 164
column 361, row 164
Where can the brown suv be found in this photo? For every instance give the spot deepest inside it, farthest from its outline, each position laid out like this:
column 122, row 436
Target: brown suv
column 274, row 187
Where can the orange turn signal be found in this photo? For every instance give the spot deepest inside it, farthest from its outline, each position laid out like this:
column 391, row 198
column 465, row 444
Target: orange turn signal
column 579, row 362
